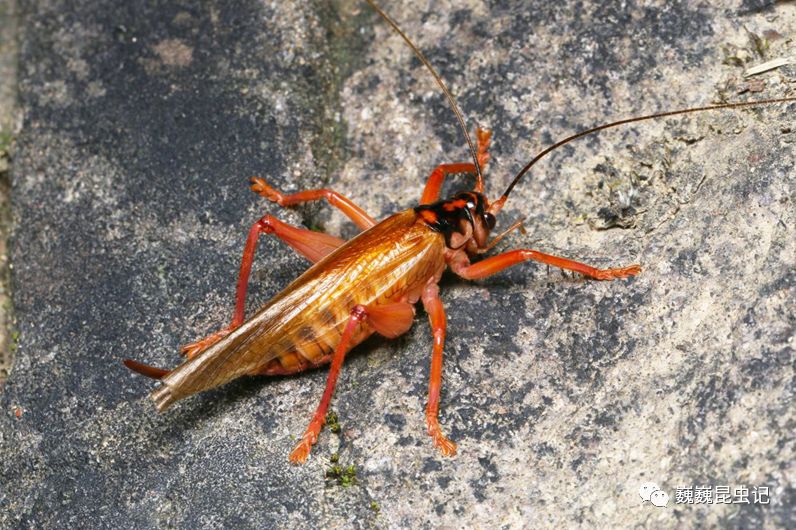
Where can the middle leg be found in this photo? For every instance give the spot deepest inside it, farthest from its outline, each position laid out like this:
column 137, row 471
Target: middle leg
column 389, row 320
column 303, row 448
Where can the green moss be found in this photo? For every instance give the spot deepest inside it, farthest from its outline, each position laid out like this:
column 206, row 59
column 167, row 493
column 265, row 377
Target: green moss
column 14, row 341
column 6, row 139
column 375, row 506
column 332, row 422
column 344, row 476
column 733, row 60
column 759, row 44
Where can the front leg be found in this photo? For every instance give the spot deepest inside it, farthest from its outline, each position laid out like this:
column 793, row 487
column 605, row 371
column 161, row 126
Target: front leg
column 495, row 264
column 435, row 181
column 436, row 316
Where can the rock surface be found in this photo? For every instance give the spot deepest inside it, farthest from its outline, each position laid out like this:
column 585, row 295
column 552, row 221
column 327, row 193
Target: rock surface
column 9, row 124
column 142, row 124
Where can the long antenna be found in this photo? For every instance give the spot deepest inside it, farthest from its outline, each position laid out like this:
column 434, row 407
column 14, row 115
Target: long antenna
column 581, row 134
column 441, row 83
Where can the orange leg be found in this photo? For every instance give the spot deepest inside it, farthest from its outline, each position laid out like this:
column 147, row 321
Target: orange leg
column 497, row 263
column 311, row 245
column 436, row 315
column 434, row 184
column 389, row 320
column 302, row 449
column 344, row 204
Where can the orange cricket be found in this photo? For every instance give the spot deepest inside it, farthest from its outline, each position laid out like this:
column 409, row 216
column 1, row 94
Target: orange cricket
column 368, row 284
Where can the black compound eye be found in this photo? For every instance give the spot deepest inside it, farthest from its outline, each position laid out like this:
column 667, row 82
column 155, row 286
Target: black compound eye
column 490, row 220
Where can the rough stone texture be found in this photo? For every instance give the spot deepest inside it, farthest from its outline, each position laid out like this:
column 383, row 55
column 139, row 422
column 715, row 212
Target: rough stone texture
column 143, row 122
column 9, row 125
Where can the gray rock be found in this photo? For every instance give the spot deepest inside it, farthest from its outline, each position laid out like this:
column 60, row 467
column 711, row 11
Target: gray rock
column 142, row 124
column 9, row 125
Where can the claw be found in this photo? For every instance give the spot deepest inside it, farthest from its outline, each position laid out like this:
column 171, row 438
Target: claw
column 446, row 446
column 624, row 272
column 261, row 187
column 302, row 450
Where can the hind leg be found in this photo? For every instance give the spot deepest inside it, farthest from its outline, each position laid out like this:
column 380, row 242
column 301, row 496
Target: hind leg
column 312, row 245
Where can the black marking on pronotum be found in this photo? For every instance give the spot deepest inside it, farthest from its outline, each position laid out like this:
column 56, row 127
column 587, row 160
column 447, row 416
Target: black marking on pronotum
column 445, row 216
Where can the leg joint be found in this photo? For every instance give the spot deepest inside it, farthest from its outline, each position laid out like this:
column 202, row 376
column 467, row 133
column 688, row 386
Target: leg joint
column 266, row 224
column 359, row 313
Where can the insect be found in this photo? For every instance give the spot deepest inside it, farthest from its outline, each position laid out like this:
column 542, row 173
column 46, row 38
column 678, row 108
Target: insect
column 369, row 284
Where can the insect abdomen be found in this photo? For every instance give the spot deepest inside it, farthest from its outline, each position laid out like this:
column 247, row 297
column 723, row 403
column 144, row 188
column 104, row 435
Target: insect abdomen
column 323, row 325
